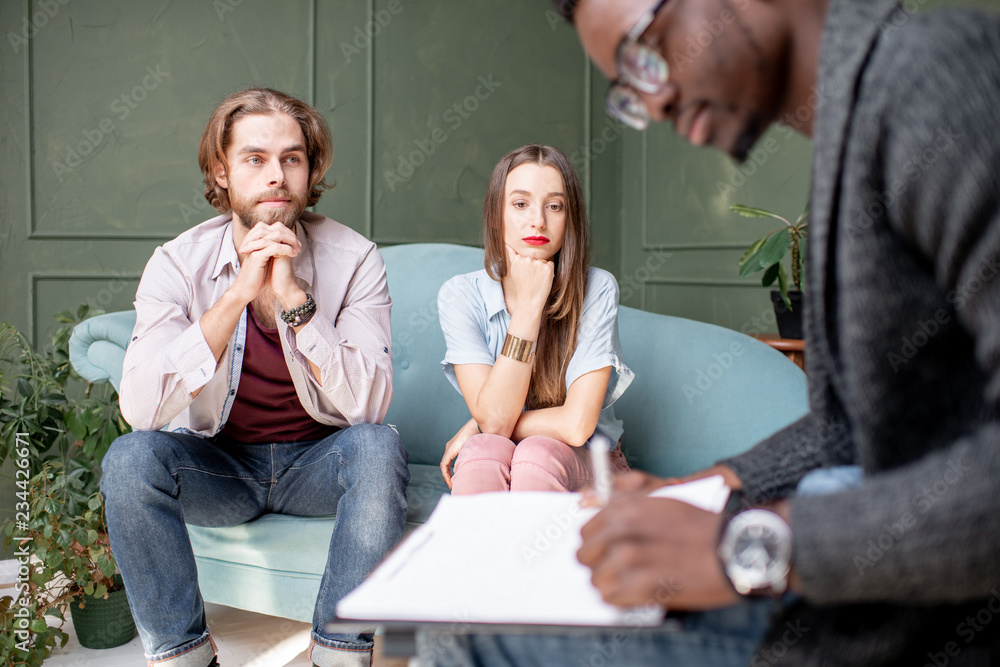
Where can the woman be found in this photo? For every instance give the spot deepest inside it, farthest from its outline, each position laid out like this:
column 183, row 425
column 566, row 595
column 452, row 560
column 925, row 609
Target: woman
column 532, row 339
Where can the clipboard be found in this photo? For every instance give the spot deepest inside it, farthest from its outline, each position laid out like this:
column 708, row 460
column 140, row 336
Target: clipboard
column 503, row 561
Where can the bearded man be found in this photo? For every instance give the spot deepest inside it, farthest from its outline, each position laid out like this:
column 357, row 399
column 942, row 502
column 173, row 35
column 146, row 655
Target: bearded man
column 256, row 377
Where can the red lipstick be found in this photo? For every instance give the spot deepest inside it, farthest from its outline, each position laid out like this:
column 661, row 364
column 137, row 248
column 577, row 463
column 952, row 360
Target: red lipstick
column 535, row 240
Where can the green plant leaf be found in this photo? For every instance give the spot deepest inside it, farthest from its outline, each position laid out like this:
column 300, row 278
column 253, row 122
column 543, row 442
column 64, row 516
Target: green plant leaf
column 773, row 251
column 754, row 247
column 93, row 420
column 783, row 286
column 751, row 212
column 100, row 591
column 24, row 388
column 39, row 625
column 750, row 263
column 770, row 275
column 65, row 317
column 81, row 312
column 76, row 427
column 54, row 399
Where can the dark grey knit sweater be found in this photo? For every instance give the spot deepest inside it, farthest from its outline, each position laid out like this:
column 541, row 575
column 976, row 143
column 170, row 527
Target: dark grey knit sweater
column 903, row 340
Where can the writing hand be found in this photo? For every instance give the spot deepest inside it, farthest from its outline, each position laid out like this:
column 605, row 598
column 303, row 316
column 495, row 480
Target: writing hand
column 642, row 550
column 632, row 482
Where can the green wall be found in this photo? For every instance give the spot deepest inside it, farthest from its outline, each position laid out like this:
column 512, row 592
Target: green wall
column 102, row 104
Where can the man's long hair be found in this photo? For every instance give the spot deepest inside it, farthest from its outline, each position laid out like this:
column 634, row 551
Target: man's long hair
column 262, row 101
column 561, row 317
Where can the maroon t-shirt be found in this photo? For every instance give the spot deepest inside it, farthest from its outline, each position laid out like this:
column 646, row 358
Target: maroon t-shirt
column 266, row 408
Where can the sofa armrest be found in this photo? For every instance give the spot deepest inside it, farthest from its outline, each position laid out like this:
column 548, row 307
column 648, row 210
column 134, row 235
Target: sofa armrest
column 97, row 346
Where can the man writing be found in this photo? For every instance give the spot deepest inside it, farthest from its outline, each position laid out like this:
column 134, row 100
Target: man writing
column 262, row 344
column 899, row 565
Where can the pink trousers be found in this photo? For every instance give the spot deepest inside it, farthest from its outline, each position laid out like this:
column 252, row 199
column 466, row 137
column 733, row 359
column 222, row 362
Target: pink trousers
column 490, row 462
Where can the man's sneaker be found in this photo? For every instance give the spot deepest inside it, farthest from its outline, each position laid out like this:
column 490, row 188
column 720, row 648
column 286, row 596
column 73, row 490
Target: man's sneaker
column 215, row 661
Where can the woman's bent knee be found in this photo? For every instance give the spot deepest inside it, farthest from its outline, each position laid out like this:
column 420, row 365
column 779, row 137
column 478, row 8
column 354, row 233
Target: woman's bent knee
column 541, row 450
column 486, row 446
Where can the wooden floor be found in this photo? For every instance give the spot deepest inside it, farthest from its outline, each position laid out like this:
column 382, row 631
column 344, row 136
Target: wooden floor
column 243, row 639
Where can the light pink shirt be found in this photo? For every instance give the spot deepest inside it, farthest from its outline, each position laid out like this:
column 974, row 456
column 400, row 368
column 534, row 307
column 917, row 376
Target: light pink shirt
column 348, row 338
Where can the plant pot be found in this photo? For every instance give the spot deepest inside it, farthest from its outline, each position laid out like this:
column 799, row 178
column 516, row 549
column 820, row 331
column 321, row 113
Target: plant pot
column 103, row 623
column 789, row 321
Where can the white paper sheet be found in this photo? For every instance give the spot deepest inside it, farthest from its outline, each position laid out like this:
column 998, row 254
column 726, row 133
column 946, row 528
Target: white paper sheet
column 502, row 558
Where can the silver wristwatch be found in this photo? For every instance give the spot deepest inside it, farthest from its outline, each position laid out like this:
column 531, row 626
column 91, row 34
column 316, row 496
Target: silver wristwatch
column 756, row 552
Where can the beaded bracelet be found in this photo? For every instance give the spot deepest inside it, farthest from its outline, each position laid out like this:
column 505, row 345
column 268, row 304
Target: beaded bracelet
column 300, row 314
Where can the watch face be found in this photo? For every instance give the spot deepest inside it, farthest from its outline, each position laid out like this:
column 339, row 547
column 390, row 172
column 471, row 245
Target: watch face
column 756, row 550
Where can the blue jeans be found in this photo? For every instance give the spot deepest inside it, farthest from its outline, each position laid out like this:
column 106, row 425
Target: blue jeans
column 723, row 637
column 718, row 638
column 154, row 482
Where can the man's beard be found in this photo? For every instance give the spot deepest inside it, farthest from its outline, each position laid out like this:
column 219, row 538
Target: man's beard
column 249, row 214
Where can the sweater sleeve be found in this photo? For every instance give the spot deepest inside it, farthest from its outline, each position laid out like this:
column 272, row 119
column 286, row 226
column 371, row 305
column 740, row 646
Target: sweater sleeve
column 820, row 439
column 929, row 532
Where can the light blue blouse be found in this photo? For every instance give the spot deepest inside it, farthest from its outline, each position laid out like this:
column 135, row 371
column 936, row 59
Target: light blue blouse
column 474, row 320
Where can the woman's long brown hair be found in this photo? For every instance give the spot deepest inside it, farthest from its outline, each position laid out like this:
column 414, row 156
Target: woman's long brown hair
column 561, row 317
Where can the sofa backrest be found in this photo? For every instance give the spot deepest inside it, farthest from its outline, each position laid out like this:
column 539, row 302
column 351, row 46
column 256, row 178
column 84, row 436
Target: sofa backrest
column 426, row 409
column 701, row 392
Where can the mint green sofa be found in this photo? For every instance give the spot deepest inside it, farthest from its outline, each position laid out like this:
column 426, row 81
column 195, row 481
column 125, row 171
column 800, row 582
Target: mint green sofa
column 701, row 393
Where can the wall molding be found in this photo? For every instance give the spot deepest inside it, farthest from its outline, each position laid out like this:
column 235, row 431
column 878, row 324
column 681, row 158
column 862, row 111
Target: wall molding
column 36, row 277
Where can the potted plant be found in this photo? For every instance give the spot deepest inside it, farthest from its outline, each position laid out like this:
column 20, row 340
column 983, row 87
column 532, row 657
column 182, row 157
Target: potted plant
column 767, row 254
column 55, row 429
column 69, row 565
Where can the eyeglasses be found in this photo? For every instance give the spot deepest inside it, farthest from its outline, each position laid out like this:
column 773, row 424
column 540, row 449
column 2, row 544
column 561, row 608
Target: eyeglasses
column 641, row 68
